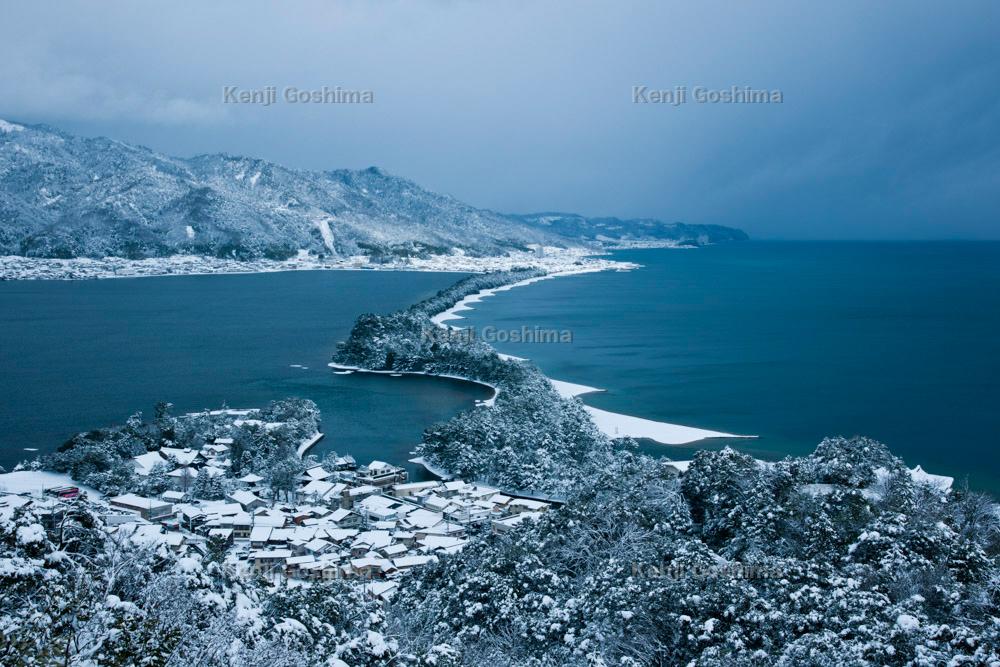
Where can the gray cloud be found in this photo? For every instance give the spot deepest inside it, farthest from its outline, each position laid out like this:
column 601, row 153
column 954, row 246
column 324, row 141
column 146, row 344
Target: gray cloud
column 888, row 128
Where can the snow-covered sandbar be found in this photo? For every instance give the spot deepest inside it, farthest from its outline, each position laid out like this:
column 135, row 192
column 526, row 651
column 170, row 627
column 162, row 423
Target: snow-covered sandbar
column 616, row 425
column 612, row 424
column 592, row 266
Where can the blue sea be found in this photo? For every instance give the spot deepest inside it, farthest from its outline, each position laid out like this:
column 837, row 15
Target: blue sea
column 790, row 341
column 80, row 355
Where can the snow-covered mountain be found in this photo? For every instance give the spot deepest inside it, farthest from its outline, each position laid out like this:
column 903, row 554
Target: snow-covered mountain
column 617, row 231
column 68, row 196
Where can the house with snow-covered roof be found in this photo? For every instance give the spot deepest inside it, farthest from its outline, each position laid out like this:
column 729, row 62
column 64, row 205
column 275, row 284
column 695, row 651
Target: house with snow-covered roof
column 318, row 546
column 315, row 472
column 269, row 560
column 527, row 505
column 341, row 534
column 381, row 474
column 344, row 518
column 173, row 496
column 442, row 544
column 251, row 479
column 510, row 522
column 394, row 550
column 411, row 489
column 150, row 509
column 370, row 540
column 184, row 456
column 371, row 567
column 423, row 518
column 321, row 491
column 247, row 500
column 437, row 503
column 381, row 508
column 356, row 493
column 259, row 535
column 346, row 462
column 144, row 463
column 382, row 590
column 451, row 488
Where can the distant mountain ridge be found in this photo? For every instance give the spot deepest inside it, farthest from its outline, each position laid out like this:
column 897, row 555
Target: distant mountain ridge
column 617, row 231
column 67, row 196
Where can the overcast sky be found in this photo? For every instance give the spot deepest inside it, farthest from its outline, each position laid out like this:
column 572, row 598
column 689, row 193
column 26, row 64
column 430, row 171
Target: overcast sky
column 889, row 125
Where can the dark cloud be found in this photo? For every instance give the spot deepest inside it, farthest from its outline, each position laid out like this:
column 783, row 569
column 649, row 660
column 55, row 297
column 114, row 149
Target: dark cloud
column 888, row 126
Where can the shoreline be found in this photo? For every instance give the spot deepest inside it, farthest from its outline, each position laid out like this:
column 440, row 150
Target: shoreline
column 437, row 471
column 308, row 444
column 639, row 427
column 556, row 260
column 612, row 424
column 463, row 304
column 486, row 402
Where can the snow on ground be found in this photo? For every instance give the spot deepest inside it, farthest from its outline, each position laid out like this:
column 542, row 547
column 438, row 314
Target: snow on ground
column 308, row 443
column 942, row 482
column 616, row 425
column 558, row 260
column 570, row 389
column 7, row 128
column 36, row 481
column 818, row 490
column 324, row 229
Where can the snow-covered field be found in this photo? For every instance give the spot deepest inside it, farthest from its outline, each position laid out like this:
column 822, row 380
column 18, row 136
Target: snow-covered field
column 555, row 260
column 37, row 481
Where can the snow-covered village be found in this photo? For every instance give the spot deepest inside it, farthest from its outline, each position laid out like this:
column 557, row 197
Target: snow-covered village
column 352, row 522
column 338, row 520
